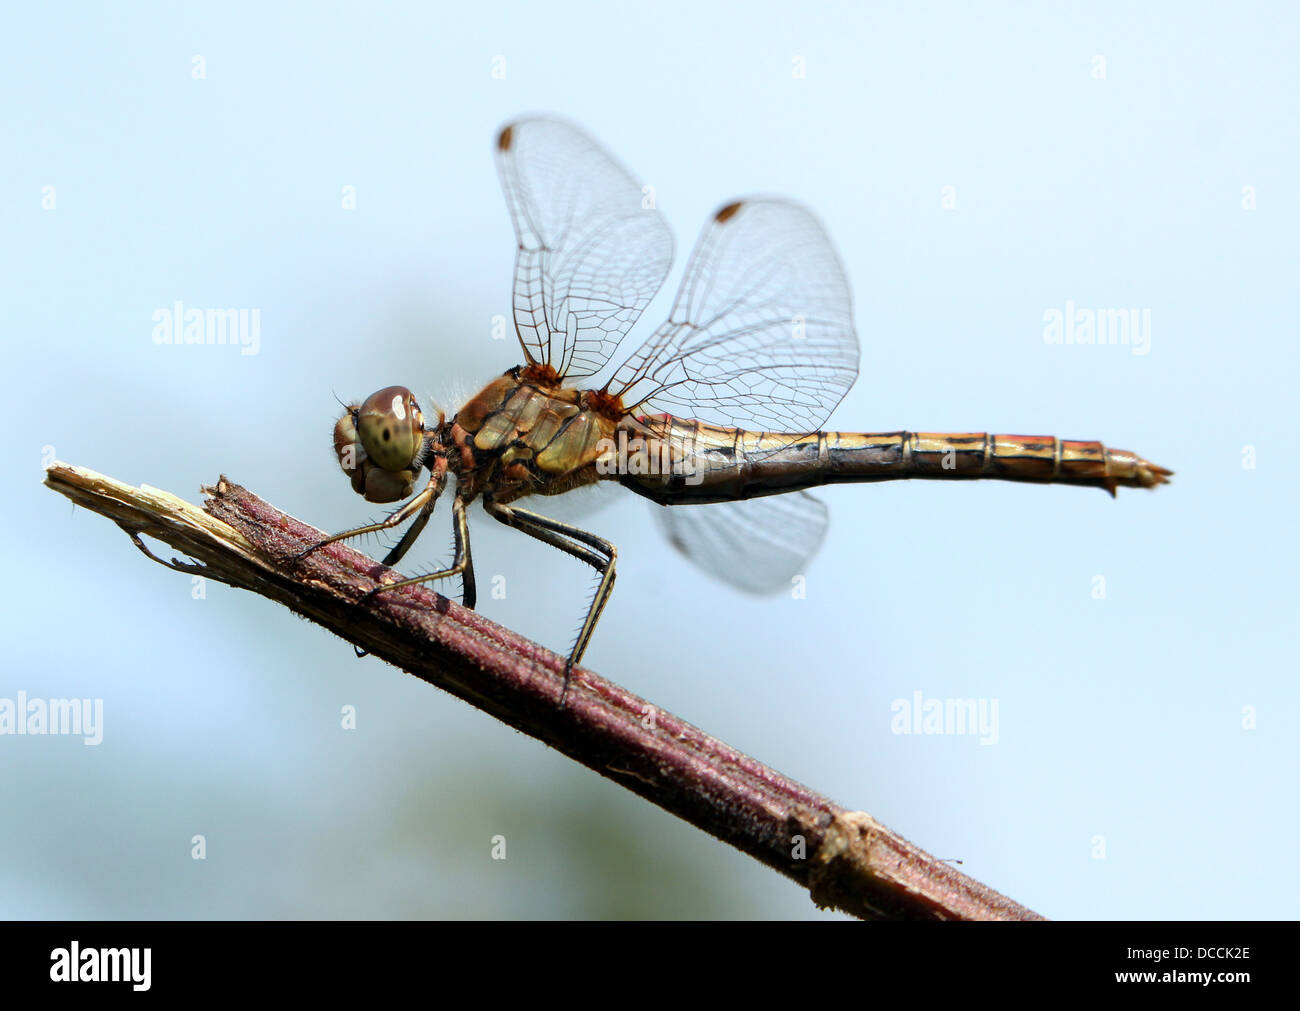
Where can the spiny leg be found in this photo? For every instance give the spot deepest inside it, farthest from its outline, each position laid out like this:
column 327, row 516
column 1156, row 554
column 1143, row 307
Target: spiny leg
column 462, row 533
column 562, row 535
column 423, row 502
column 402, row 546
column 412, row 532
column 461, row 565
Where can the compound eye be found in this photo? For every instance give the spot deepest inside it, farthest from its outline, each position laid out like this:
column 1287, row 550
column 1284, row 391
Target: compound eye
column 347, row 447
column 390, row 426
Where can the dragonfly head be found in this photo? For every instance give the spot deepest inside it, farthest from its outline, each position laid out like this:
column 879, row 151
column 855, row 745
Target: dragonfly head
column 380, row 444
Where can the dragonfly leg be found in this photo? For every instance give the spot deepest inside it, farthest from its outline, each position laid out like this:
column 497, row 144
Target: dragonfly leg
column 461, row 565
column 412, row 532
column 469, row 595
column 423, row 503
column 175, row 563
column 597, row 552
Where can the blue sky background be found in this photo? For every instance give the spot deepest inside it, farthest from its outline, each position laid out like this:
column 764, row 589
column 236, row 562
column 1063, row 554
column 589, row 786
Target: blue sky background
column 1146, row 759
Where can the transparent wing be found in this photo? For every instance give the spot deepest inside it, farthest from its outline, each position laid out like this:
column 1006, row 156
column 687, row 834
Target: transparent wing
column 757, row 545
column 761, row 335
column 590, row 254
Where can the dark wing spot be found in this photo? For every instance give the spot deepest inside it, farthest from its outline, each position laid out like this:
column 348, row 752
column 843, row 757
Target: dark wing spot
column 727, row 213
column 505, row 138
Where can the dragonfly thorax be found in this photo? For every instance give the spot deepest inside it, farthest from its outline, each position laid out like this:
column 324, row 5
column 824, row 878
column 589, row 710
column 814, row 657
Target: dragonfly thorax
column 526, row 434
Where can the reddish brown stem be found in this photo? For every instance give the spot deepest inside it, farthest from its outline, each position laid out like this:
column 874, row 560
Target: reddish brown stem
column 845, row 858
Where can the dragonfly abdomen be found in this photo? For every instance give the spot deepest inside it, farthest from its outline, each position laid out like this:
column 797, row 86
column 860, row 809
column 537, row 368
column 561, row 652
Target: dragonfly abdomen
column 953, row 456
column 718, row 464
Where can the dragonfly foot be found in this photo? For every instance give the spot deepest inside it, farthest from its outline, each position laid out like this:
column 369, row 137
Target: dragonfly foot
column 564, row 688
column 175, row 563
column 305, row 552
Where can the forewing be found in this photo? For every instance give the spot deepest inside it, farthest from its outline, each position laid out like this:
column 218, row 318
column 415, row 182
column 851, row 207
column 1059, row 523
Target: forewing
column 757, row 545
column 590, row 254
column 761, row 335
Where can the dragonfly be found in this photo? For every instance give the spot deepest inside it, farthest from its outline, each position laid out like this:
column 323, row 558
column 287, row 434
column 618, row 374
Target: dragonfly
column 717, row 415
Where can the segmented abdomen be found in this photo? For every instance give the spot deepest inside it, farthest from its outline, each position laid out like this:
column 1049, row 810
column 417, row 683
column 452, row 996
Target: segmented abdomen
column 711, row 463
